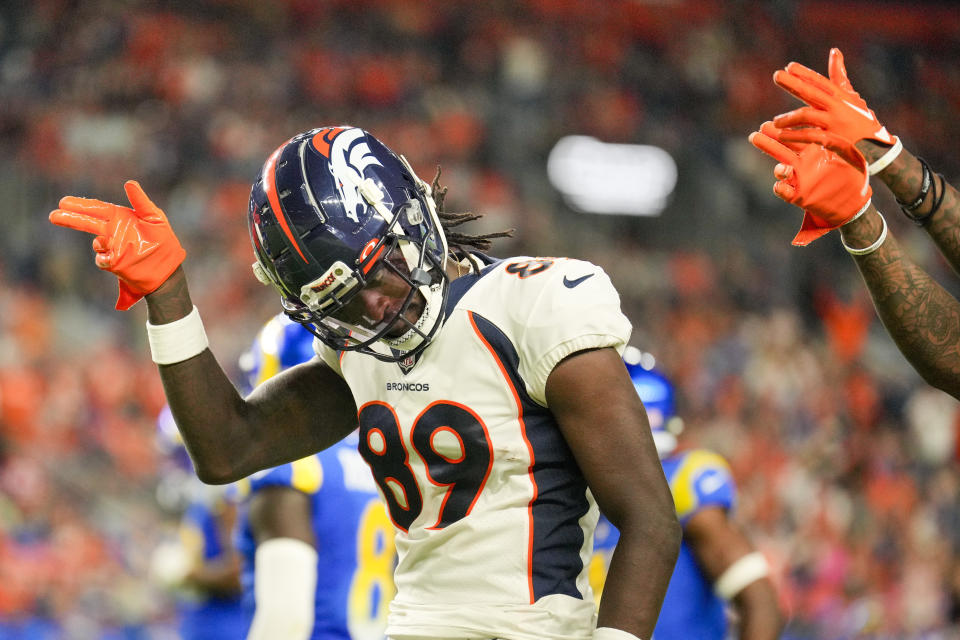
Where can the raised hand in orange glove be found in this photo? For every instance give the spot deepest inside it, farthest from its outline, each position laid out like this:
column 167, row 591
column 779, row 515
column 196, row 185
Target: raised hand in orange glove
column 834, row 104
column 135, row 244
column 832, row 189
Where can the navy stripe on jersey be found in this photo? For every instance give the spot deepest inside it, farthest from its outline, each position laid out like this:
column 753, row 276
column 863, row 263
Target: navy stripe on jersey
column 560, row 487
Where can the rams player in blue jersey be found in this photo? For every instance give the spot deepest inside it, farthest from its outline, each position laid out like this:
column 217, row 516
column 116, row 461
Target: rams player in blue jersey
column 718, row 565
column 201, row 567
column 316, row 541
column 494, row 410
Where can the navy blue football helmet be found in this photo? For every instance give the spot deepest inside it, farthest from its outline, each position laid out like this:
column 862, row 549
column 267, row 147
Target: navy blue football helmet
column 656, row 393
column 332, row 211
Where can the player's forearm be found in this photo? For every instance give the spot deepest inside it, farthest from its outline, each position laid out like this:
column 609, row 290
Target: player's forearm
column 758, row 612
column 206, row 406
column 921, row 317
column 904, row 178
column 639, row 573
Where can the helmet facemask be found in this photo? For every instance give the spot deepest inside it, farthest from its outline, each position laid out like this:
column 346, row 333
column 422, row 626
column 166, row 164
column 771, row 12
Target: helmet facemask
column 341, row 318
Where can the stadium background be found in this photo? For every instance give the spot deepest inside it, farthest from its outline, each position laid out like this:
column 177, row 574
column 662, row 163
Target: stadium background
column 846, row 461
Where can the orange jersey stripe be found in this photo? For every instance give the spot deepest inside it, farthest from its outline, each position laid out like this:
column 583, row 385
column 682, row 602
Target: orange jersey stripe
column 523, row 430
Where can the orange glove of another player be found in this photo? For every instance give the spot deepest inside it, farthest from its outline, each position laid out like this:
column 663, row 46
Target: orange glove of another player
column 137, row 245
column 834, row 105
column 832, row 188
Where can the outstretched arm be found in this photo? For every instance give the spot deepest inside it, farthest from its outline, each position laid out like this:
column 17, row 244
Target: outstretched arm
column 921, row 317
column 299, row 412
column 604, row 423
column 293, row 414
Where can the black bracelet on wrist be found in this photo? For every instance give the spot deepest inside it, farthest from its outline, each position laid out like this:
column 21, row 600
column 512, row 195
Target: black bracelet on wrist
column 909, row 207
column 921, row 221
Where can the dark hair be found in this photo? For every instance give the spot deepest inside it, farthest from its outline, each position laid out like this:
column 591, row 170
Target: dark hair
column 461, row 243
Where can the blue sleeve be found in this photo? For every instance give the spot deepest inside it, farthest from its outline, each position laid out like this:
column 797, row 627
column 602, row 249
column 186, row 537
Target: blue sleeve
column 297, row 345
column 305, row 475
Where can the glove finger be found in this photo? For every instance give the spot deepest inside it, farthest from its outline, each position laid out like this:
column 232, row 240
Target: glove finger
column 143, row 207
column 785, row 191
column 104, row 260
column 803, row 117
column 89, row 206
column 811, row 77
column 802, row 89
column 783, row 171
column 838, row 71
column 101, row 244
column 807, row 135
column 772, row 148
column 78, row 221
column 772, row 131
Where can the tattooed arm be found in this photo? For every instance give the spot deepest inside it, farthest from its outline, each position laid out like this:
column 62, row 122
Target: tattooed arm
column 903, row 177
column 921, row 317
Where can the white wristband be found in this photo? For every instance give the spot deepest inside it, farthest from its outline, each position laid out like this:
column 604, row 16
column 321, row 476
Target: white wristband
column 884, row 161
column 178, row 340
column 876, row 245
column 742, row 573
column 284, row 589
column 609, row 633
column 862, row 211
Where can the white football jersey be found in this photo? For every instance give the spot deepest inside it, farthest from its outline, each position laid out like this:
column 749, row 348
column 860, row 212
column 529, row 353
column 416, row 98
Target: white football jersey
column 494, row 518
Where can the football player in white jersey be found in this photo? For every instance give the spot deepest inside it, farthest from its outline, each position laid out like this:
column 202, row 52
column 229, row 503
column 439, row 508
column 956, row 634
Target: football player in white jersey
column 494, row 408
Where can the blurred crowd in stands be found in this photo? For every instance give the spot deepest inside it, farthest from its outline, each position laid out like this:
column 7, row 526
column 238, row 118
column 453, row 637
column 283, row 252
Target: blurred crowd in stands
column 846, row 462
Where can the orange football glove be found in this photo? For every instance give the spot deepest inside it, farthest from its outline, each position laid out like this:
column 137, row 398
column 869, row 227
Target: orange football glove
column 135, row 244
column 834, row 105
column 831, row 188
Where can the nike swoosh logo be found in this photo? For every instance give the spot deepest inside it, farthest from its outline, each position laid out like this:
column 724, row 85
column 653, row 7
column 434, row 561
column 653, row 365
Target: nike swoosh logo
column 570, row 284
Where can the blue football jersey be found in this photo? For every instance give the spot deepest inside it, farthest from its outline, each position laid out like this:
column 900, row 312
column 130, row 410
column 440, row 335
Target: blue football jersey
column 355, row 547
column 354, row 534
column 698, row 479
column 208, row 617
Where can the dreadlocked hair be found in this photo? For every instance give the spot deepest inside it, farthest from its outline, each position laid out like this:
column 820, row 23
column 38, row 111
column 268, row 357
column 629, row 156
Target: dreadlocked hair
column 456, row 240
